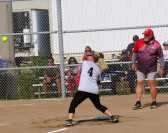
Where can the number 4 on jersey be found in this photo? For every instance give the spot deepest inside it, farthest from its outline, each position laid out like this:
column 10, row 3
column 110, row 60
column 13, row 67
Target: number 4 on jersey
column 90, row 71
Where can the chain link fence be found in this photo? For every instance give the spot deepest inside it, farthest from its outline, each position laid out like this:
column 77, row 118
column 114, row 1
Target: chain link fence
column 28, row 76
column 44, row 81
column 29, row 37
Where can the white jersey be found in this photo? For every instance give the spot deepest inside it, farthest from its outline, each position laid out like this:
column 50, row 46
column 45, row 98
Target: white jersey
column 88, row 79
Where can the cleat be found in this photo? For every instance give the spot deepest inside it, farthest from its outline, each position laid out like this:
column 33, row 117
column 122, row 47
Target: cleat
column 153, row 105
column 137, row 106
column 114, row 118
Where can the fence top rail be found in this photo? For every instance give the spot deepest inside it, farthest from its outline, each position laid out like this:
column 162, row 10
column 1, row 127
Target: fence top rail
column 26, row 68
column 56, row 66
column 115, row 28
column 89, row 30
column 28, row 33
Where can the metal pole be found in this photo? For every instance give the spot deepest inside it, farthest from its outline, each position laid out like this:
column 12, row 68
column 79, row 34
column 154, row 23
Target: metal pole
column 11, row 42
column 61, row 48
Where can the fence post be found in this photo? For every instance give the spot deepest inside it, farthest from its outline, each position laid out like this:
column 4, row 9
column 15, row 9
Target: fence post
column 61, row 48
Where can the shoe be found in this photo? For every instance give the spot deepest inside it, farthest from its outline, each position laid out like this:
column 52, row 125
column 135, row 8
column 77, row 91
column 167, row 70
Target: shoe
column 153, row 105
column 70, row 122
column 137, row 105
column 114, row 118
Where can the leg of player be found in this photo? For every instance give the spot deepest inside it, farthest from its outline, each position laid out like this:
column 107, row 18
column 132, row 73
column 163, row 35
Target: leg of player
column 114, row 118
column 78, row 98
column 96, row 101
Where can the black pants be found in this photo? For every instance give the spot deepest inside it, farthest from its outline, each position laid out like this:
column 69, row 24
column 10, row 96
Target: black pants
column 80, row 96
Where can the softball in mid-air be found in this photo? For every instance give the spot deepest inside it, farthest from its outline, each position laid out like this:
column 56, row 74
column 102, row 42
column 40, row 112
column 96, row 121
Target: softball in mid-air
column 4, row 39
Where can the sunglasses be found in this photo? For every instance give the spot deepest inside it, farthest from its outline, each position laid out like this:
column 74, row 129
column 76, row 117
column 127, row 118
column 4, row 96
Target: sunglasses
column 89, row 55
column 87, row 50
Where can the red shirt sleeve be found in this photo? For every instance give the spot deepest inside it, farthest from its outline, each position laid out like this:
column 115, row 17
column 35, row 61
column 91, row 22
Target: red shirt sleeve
column 138, row 44
column 135, row 49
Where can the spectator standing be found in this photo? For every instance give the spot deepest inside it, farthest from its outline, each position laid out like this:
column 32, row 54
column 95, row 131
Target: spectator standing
column 165, row 54
column 165, row 50
column 146, row 53
column 129, row 50
column 131, row 76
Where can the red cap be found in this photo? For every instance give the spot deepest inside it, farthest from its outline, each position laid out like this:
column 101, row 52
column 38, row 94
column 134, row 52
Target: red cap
column 148, row 32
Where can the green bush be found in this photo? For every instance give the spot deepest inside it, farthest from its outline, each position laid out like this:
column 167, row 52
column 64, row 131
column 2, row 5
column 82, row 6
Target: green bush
column 39, row 60
column 26, row 78
column 24, row 85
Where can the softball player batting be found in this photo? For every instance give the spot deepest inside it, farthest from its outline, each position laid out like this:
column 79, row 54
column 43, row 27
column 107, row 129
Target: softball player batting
column 88, row 88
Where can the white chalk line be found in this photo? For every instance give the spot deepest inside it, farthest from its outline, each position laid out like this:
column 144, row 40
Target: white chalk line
column 58, row 130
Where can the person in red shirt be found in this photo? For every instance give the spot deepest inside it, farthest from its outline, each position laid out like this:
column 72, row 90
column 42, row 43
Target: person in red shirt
column 146, row 53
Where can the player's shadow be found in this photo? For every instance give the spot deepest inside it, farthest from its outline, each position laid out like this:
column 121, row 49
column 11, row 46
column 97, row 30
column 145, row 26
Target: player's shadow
column 159, row 104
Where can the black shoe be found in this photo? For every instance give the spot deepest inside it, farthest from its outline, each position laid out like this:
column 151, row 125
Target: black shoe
column 153, row 105
column 137, row 105
column 114, row 118
column 70, row 122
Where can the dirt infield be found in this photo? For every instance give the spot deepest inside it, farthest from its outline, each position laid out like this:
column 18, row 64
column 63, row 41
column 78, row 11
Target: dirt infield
column 43, row 116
